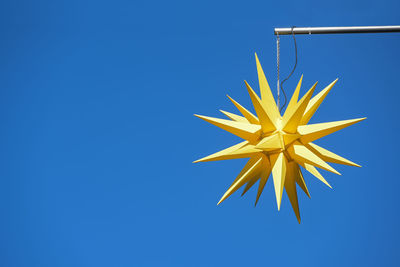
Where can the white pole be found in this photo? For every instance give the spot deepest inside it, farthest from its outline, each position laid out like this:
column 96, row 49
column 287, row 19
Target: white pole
column 333, row 30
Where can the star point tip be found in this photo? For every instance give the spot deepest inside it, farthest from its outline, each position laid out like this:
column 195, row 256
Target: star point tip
column 358, row 120
column 332, row 84
column 278, row 203
column 201, row 116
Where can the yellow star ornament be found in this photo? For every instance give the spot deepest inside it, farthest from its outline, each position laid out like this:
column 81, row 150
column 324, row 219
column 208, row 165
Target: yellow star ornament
column 278, row 144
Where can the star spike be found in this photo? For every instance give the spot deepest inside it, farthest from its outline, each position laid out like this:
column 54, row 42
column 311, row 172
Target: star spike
column 261, row 185
column 290, row 186
column 265, row 120
column 329, row 156
column 243, row 130
column 265, row 167
column 300, row 181
column 241, row 150
column 241, row 180
column 295, row 97
column 251, row 183
column 315, row 102
column 263, row 179
column 250, row 163
column 302, row 154
column 234, row 117
column 316, row 131
column 247, row 114
column 279, row 163
column 292, row 118
column 311, row 169
column 266, row 94
column 246, row 167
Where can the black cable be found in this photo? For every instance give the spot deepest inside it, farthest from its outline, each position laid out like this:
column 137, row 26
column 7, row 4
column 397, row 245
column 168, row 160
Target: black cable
column 295, row 65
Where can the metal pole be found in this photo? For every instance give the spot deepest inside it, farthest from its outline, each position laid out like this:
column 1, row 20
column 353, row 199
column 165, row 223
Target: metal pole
column 333, row 30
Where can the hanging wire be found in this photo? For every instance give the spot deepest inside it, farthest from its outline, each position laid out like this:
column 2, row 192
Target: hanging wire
column 280, row 88
column 277, row 68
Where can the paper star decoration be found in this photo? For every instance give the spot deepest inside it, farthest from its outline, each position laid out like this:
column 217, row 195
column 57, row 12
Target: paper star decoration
column 278, row 144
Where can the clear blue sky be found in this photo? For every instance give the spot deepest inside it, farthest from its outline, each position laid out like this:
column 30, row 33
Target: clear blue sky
column 98, row 134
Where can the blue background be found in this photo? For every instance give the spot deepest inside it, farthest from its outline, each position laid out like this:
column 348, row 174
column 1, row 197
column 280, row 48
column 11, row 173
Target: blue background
column 98, row 134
